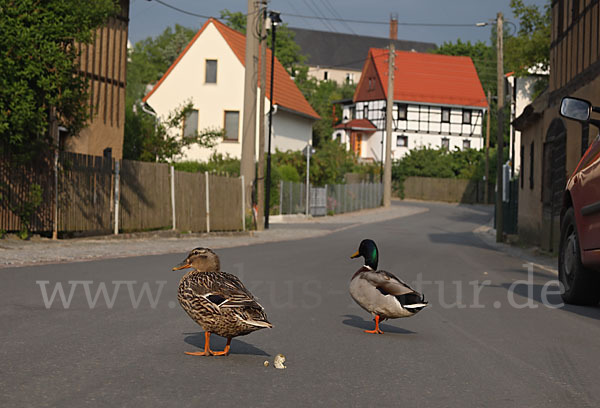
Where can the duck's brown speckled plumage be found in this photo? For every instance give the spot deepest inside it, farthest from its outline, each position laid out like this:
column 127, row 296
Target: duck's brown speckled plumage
column 218, row 301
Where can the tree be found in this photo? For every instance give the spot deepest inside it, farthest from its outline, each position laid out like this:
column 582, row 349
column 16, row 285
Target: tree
column 320, row 95
column 151, row 57
column 147, row 139
column 40, row 69
column 483, row 56
column 530, row 47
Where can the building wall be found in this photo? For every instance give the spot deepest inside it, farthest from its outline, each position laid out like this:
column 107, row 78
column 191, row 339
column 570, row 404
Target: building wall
column 334, row 74
column 523, row 97
column 423, row 127
column 290, row 132
column 104, row 64
column 574, row 71
column 186, row 82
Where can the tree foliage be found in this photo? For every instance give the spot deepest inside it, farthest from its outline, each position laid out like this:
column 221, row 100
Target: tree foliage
column 530, row 47
column 147, row 139
column 483, row 56
column 40, row 70
column 150, row 58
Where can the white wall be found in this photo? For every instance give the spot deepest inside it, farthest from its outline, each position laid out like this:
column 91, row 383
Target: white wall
column 334, row 74
column 290, row 132
column 423, row 127
column 186, row 82
column 525, row 87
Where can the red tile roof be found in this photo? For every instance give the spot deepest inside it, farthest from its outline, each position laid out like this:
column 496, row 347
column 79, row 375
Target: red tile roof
column 285, row 91
column 357, row 124
column 431, row 78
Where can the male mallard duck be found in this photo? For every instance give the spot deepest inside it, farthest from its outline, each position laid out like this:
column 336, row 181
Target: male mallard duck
column 217, row 301
column 381, row 293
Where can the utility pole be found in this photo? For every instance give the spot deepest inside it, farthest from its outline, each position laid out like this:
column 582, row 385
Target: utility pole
column 500, row 156
column 249, row 115
column 260, row 178
column 387, row 166
column 487, row 149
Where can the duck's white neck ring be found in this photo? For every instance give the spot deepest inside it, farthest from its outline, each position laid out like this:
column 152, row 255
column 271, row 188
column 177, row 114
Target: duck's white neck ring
column 368, row 267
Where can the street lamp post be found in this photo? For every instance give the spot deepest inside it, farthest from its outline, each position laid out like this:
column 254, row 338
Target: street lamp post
column 275, row 20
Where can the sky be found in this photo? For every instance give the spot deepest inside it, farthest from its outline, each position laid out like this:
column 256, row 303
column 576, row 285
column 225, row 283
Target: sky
column 148, row 18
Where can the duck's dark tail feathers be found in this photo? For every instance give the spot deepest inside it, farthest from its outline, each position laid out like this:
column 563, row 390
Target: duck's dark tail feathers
column 413, row 302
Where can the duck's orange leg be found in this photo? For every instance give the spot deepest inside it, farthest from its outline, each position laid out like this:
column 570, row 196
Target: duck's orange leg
column 377, row 329
column 224, row 352
column 206, row 351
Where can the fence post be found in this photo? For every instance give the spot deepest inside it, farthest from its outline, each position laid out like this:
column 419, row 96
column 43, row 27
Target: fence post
column 207, row 203
column 55, row 215
column 291, row 197
column 173, row 197
column 243, row 204
column 117, row 182
column 280, row 197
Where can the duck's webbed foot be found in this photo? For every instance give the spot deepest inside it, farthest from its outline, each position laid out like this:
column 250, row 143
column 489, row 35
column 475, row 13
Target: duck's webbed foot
column 377, row 330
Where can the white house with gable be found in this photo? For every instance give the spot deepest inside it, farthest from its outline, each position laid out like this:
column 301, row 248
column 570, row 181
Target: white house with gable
column 209, row 72
column 438, row 103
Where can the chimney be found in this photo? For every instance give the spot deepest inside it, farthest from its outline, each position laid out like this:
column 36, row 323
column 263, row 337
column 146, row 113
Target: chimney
column 393, row 26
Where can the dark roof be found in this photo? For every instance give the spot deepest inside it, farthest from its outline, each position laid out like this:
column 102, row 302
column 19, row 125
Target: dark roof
column 326, row 49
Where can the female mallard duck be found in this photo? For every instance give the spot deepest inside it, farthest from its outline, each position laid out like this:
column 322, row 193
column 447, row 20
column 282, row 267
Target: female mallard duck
column 217, row 301
column 381, row 293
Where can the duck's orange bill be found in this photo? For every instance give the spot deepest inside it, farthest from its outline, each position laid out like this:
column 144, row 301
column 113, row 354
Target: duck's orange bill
column 182, row 265
column 355, row 255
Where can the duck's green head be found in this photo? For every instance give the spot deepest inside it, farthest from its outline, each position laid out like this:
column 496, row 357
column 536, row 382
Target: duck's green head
column 368, row 250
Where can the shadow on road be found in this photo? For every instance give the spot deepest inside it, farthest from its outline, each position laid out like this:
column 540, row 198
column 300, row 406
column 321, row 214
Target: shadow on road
column 535, row 292
column 359, row 322
column 458, row 238
column 217, row 343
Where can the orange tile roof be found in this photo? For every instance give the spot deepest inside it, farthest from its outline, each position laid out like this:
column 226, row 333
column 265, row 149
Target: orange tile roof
column 285, row 92
column 431, row 78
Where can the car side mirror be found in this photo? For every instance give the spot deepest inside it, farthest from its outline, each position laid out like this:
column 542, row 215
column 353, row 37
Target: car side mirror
column 574, row 108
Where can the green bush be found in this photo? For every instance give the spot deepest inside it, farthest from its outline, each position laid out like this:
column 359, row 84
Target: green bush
column 426, row 162
column 288, row 173
column 217, row 163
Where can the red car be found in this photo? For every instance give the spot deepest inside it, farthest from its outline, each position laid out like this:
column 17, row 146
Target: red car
column 579, row 251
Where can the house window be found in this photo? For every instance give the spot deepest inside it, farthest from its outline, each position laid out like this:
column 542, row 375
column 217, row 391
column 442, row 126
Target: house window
column 353, row 112
column 371, row 84
column 402, row 141
column 401, row 112
column 466, row 144
column 445, row 143
column 232, row 125
column 325, row 75
column 446, row 115
column 190, row 124
column 365, row 111
column 211, row 72
column 466, row 116
column 531, row 155
column 350, row 78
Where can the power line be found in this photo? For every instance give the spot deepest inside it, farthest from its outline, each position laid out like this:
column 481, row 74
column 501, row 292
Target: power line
column 181, row 10
column 380, row 22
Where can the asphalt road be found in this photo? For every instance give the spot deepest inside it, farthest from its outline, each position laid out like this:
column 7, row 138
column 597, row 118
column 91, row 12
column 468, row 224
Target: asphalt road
column 471, row 348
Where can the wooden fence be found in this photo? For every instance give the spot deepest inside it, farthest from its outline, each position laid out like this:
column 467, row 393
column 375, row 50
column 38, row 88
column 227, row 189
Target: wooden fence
column 85, row 188
column 145, row 197
column 16, row 189
column 146, row 192
column 447, row 189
